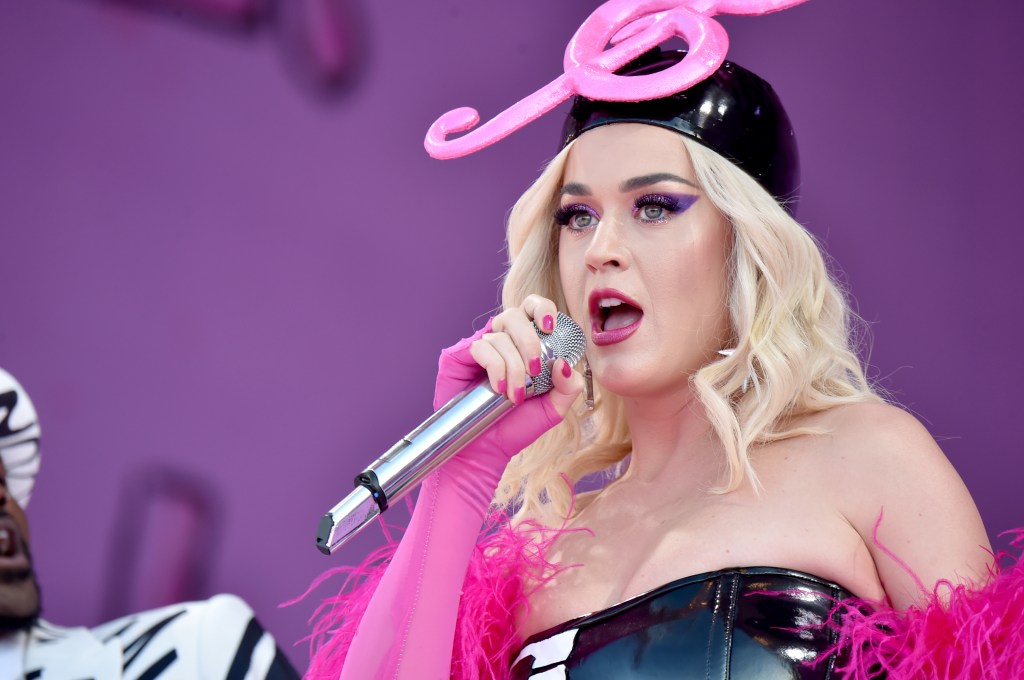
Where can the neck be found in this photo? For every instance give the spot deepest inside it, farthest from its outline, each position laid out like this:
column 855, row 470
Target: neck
column 672, row 439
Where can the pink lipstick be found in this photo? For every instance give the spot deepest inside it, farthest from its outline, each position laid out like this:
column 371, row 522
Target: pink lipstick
column 614, row 316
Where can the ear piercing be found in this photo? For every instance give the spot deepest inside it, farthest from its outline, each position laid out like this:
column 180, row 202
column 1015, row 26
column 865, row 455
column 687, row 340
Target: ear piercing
column 588, row 378
column 728, row 352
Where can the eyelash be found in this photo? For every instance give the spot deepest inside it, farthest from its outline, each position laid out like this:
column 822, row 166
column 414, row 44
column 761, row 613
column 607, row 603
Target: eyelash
column 565, row 214
column 671, row 205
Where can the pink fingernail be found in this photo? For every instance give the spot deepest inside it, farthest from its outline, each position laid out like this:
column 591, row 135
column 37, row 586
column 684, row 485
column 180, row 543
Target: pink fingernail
column 502, row 386
column 566, row 369
column 535, row 366
column 520, row 395
column 548, row 323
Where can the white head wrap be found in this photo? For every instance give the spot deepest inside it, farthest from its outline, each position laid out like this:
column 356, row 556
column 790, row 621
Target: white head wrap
column 19, row 438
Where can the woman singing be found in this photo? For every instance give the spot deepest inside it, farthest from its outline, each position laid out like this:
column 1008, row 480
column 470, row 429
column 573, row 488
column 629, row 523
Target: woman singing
column 757, row 479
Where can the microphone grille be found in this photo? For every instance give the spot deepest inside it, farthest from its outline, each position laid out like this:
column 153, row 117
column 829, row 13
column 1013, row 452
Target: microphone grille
column 567, row 342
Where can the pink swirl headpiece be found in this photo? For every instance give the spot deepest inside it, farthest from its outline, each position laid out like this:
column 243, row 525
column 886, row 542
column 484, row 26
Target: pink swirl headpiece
column 632, row 28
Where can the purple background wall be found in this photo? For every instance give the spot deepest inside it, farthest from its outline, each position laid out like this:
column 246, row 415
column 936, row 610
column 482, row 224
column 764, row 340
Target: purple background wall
column 209, row 269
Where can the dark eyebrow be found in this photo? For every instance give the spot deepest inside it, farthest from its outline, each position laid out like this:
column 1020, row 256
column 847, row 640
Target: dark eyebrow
column 647, row 180
column 575, row 189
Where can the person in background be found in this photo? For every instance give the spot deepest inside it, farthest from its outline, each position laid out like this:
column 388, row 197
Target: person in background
column 215, row 638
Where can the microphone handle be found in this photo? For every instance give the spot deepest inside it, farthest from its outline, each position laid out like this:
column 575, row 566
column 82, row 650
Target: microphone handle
column 406, row 464
column 417, row 454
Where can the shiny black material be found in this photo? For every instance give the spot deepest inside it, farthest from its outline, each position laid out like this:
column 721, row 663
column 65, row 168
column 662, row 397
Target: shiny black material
column 754, row 623
column 733, row 112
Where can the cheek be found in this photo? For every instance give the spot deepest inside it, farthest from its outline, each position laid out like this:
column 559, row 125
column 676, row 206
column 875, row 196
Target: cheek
column 572, row 291
column 712, row 281
column 710, row 268
column 571, row 277
column 22, row 522
column 709, row 253
column 697, row 275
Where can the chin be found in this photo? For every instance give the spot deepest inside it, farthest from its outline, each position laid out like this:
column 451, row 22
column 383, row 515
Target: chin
column 640, row 377
column 13, row 624
column 624, row 379
column 20, row 605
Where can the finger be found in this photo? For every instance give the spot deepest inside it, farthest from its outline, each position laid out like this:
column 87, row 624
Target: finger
column 542, row 311
column 530, row 420
column 515, row 369
column 568, row 384
column 517, row 325
column 490, row 359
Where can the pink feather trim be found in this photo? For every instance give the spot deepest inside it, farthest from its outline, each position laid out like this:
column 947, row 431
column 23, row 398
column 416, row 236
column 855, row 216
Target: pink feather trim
column 507, row 565
column 961, row 632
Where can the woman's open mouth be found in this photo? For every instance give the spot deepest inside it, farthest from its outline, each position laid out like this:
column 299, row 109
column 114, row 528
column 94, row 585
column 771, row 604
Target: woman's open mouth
column 613, row 316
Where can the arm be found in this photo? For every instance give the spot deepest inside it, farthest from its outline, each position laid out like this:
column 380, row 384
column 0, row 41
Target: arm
column 954, row 613
column 910, row 507
column 408, row 626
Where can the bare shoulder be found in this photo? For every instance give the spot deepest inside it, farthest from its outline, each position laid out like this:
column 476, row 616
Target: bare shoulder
column 874, row 439
column 896, row 487
column 874, row 422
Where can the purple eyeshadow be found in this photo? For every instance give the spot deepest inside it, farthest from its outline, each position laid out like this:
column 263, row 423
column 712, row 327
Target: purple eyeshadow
column 676, row 203
column 565, row 213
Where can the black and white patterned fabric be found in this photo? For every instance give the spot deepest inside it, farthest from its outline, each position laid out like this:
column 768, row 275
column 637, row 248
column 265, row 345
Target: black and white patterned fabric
column 216, row 639
column 19, row 438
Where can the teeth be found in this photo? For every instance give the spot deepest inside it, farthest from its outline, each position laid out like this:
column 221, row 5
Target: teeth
column 609, row 302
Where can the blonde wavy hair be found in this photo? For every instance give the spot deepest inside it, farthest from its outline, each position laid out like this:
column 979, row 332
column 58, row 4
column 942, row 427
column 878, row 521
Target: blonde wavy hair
column 790, row 320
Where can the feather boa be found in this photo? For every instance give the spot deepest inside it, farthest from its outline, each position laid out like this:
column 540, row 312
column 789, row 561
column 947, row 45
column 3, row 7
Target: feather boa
column 507, row 565
column 960, row 633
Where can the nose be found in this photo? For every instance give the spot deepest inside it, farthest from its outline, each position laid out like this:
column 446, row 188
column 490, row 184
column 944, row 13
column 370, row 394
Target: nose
column 607, row 247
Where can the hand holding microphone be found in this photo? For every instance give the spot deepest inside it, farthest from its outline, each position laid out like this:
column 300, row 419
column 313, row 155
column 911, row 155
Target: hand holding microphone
column 524, row 351
column 512, row 351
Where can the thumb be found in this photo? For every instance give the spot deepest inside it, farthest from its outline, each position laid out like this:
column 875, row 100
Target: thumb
column 567, row 386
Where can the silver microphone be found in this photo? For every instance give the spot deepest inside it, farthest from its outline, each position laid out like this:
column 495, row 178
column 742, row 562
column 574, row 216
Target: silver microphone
column 441, row 436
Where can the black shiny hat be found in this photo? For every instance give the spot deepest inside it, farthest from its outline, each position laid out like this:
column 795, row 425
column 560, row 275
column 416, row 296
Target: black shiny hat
column 733, row 112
